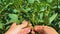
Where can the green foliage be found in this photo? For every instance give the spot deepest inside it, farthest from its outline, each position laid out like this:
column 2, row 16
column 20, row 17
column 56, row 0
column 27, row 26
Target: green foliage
column 38, row 12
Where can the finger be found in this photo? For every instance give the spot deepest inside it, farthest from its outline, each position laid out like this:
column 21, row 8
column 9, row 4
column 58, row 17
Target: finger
column 24, row 24
column 32, row 32
column 13, row 25
column 19, row 27
column 50, row 30
column 45, row 30
column 38, row 28
column 25, row 31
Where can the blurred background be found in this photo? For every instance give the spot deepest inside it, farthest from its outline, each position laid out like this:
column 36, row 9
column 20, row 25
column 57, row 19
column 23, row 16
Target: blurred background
column 37, row 12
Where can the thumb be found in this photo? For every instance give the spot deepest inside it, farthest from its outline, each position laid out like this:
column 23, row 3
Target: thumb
column 49, row 30
column 24, row 24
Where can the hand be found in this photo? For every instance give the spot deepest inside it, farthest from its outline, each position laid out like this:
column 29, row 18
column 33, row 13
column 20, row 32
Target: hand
column 19, row 29
column 45, row 30
column 23, row 29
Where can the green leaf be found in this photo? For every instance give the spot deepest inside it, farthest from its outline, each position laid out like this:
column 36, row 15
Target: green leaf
column 43, row 8
column 1, row 25
column 30, row 1
column 28, row 9
column 59, row 24
column 49, row 1
column 38, row 1
column 59, row 7
column 54, row 7
column 52, row 17
column 13, row 17
column 41, row 16
column 15, row 10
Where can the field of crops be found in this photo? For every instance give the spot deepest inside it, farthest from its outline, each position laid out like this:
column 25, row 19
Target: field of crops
column 38, row 12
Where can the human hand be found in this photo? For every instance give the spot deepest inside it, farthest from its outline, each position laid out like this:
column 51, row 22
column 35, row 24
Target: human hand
column 45, row 30
column 23, row 29
column 19, row 29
